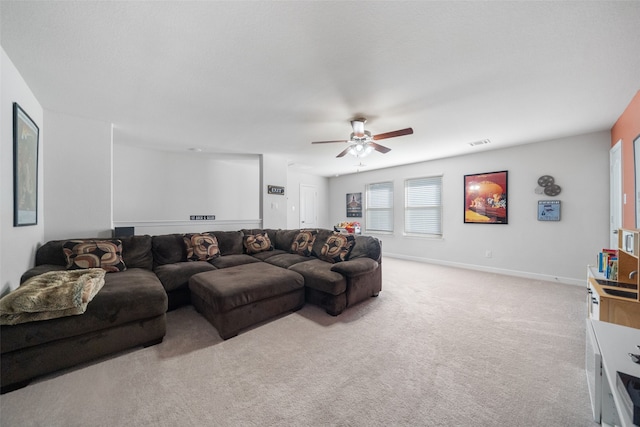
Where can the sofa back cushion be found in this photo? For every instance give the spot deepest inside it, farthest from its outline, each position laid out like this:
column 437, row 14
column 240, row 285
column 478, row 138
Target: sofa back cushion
column 336, row 247
column 105, row 254
column 284, row 239
column 229, row 242
column 136, row 252
column 168, row 249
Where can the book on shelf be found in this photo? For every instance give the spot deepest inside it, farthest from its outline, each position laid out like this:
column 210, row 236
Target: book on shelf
column 603, row 259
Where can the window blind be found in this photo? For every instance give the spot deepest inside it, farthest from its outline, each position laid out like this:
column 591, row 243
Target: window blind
column 379, row 207
column 423, row 206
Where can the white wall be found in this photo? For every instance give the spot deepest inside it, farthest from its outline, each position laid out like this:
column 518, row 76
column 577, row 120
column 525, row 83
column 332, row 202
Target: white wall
column 17, row 244
column 294, row 180
column 77, row 177
column 527, row 247
column 274, row 206
column 157, row 191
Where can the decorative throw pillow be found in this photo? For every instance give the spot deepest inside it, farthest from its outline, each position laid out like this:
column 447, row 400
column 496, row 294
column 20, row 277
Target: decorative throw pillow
column 337, row 247
column 303, row 242
column 254, row 243
column 201, row 246
column 105, row 254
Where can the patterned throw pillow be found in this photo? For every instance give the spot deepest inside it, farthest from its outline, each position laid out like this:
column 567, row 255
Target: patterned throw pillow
column 303, row 243
column 337, row 247
column 201, row 246
column 105, row 254
column 254, row 243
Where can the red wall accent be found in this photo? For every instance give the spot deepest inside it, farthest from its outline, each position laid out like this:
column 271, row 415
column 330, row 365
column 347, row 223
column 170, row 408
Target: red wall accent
column 627, row 128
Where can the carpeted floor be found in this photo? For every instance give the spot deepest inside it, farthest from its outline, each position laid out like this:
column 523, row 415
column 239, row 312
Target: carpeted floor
column 439, row 347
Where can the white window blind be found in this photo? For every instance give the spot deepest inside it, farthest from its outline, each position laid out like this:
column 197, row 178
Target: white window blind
column 423, row 206
column 379, row 207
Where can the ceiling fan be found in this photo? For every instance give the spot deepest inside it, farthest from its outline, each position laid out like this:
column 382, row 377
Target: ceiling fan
column 362, row 142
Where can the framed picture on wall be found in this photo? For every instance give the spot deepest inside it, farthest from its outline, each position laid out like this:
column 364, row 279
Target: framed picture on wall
column 485, row 198
column 354, row 205
column 25, row 168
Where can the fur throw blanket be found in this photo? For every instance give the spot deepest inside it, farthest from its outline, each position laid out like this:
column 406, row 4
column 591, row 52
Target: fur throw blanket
column 51, row 295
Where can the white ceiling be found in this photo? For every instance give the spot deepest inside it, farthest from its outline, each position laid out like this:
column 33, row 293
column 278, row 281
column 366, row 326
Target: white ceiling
column 270, row 77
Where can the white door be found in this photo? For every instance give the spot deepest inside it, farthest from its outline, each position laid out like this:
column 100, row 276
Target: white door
column 615, row 169
column 308, row 206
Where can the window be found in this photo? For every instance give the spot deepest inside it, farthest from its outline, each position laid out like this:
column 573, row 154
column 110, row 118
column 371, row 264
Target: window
column 379, row 207
column 423, row 206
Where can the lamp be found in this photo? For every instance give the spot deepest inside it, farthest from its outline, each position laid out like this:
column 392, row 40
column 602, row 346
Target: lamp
column 360, row 146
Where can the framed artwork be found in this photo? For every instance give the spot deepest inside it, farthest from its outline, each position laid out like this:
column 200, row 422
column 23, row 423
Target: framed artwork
column 485, row 198
column 25, row 168
column 548, row 210
column 354, row 205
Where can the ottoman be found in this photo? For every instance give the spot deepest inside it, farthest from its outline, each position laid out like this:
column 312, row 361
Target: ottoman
column 237, row 297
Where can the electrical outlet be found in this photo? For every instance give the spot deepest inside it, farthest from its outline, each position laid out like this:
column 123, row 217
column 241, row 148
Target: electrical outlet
column 488, row 253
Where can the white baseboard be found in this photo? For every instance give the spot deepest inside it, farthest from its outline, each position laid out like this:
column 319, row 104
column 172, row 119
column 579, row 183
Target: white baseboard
column 525, row 274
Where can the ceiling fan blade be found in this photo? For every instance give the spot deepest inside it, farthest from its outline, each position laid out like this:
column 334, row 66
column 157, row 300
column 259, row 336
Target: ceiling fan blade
column 380, row 148
column 401, row 132
column 327, row 142
column 343, row 152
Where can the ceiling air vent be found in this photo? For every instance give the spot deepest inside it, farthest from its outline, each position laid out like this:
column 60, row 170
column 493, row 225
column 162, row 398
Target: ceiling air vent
column 481, row 142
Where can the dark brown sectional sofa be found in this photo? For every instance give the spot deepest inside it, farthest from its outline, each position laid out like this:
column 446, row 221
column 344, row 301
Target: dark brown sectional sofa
column 130, row 309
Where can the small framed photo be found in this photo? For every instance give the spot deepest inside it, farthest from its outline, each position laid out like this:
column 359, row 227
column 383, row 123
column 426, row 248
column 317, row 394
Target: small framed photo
column 485, row 198
column 25, row 168
column 548, row 210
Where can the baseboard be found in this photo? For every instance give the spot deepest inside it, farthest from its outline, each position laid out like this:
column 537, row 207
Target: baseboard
column 506, row 272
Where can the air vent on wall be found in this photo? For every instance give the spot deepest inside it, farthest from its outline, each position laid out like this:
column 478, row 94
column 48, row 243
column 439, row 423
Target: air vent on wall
column 481, row 142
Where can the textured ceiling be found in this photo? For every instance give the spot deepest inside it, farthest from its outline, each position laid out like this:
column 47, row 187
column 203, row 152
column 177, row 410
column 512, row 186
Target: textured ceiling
column 270, row 77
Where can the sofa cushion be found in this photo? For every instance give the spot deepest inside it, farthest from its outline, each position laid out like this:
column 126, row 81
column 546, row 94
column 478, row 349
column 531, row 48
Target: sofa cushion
column 229, row 242
column 176, row 275
column 233, row 260
column 224, row 290
column 268, row 254
column 201, row 246
column 136, row 251
column 318, row 275
column 105, row 254
column 168, row 248
column 336, row 248
column 129, row 296
column 303, row 242
column 286, row 260
column 284, row 239
column 255, row 243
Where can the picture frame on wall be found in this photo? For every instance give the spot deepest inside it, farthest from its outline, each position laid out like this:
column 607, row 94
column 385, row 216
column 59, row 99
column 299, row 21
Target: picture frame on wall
column 485, row 198
column 354, row 205
column 25, row 168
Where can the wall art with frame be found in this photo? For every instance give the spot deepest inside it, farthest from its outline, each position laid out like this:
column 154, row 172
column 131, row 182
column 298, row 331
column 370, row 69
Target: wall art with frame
column 354, row 205
column 25, row 168
column 485, row 198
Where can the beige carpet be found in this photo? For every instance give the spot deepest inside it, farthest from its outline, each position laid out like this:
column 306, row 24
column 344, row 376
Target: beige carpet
column 438, row 347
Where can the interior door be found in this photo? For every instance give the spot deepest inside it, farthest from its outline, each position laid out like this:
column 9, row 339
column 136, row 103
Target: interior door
column 308, row 206
column 615, row 191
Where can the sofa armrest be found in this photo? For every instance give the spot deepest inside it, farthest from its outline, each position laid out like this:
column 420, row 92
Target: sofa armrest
column 355, row 267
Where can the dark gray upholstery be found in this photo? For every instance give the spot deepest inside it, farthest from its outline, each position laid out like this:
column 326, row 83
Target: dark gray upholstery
column 233, row 291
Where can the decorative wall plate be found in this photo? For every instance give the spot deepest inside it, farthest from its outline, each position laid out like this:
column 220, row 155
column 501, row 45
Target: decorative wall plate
column 552, row 190
column 545, row 180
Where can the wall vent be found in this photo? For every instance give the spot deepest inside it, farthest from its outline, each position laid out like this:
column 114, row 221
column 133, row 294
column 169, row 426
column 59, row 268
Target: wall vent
column 481, row 142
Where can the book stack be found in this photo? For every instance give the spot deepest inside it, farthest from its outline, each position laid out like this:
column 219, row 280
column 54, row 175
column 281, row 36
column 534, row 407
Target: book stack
column 608, row 263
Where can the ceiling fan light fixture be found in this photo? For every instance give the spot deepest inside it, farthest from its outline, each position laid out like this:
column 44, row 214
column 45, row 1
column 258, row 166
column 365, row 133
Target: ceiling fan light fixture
column 360, row 149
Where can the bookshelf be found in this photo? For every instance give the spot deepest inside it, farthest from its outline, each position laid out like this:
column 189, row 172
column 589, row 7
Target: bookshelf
column 618, row 301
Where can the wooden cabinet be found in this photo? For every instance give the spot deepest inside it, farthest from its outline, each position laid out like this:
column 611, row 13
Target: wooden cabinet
column 618, row 301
